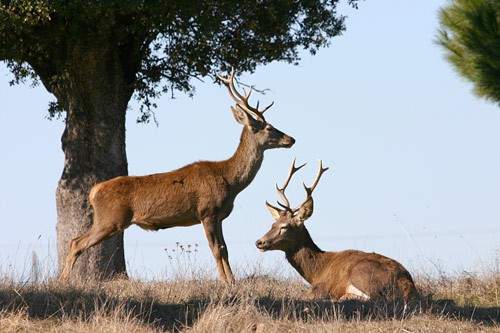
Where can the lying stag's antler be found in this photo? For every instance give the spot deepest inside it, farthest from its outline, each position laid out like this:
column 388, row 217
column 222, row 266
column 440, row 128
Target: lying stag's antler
column 309, row 190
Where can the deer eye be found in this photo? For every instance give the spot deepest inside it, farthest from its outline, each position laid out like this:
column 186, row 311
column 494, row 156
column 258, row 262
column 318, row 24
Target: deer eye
column 283, row 228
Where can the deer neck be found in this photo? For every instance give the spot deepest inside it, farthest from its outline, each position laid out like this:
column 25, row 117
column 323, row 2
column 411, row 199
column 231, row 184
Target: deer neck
column 307, row 258
column 246, row 161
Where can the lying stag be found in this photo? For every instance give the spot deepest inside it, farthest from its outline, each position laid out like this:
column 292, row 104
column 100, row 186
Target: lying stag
column 339, row 275
column 202, row 192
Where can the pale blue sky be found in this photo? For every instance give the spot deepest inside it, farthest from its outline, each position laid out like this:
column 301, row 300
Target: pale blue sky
column 414, row 156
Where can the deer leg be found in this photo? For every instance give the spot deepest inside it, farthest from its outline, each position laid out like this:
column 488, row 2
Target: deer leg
column 211, row 231
column 317, row 292
column 224, row 254
column 353, row 293
column 97, row 233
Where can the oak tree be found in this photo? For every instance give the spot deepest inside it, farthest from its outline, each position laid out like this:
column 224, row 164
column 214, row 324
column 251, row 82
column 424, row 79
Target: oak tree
column 94, row 56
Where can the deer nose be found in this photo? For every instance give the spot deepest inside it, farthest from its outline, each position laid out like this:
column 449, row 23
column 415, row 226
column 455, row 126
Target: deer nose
column 260, row 244
column 287, row 141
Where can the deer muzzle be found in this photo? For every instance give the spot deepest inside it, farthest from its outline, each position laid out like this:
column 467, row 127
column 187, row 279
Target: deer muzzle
column 262, row 244
column 287, row 141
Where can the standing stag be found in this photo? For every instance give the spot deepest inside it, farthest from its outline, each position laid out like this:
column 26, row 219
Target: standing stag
column 339, row 275
column 202, row 192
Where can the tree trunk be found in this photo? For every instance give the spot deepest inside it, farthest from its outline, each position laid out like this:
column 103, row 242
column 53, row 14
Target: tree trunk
column 95, row 97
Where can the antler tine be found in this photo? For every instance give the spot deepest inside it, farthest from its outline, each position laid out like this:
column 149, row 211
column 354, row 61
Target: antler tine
column 309, row 190
column 281, row 191
column 266, row 108
column 229, row 83
column 276, row 208
column 242, row 100
column 321, row 170
column 222, row 78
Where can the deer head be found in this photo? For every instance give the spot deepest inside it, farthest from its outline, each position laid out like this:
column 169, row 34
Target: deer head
column 288, row 229
column 265, row 134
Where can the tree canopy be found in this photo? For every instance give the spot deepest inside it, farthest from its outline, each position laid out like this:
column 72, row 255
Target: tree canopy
column 470, row 35
column 162, row 45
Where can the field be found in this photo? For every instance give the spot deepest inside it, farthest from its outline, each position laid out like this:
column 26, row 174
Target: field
column 256, row 303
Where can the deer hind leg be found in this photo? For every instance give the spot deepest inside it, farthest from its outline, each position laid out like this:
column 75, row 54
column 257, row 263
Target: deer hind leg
column 407, row 287
column 353, row 293
column 101, row 230
column 213, row 231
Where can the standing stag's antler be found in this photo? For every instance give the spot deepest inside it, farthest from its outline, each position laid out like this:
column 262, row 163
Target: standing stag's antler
column 242, row 100
column 309, row 190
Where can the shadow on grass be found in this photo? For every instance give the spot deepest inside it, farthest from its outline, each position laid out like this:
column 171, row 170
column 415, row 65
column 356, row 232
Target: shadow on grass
column 76, row 304
column 358, row 310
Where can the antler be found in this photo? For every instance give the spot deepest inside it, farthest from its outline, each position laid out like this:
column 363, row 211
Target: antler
column 281, row 191
column 309, row 190
column 242, row 100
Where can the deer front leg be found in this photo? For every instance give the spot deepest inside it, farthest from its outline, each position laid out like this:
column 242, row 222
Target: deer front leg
column 213, row 231
column 224, row 254
column 318, row 292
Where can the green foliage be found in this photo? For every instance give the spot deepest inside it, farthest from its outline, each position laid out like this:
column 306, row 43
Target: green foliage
column 162, row 45
column 470, row 34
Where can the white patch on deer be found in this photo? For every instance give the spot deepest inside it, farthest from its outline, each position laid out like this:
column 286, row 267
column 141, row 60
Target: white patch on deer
column 352, row 290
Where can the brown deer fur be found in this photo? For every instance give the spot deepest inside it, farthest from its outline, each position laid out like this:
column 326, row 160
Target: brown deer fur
column 338, row 275
column 202, row 192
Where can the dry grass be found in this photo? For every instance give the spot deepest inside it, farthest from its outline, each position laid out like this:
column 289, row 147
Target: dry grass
column 465, row 303
column 193, row 302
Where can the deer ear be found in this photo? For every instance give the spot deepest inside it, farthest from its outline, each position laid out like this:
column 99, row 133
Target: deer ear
column 275, row 212
column 244, row 118
column 305, row 210
column 240, row 115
